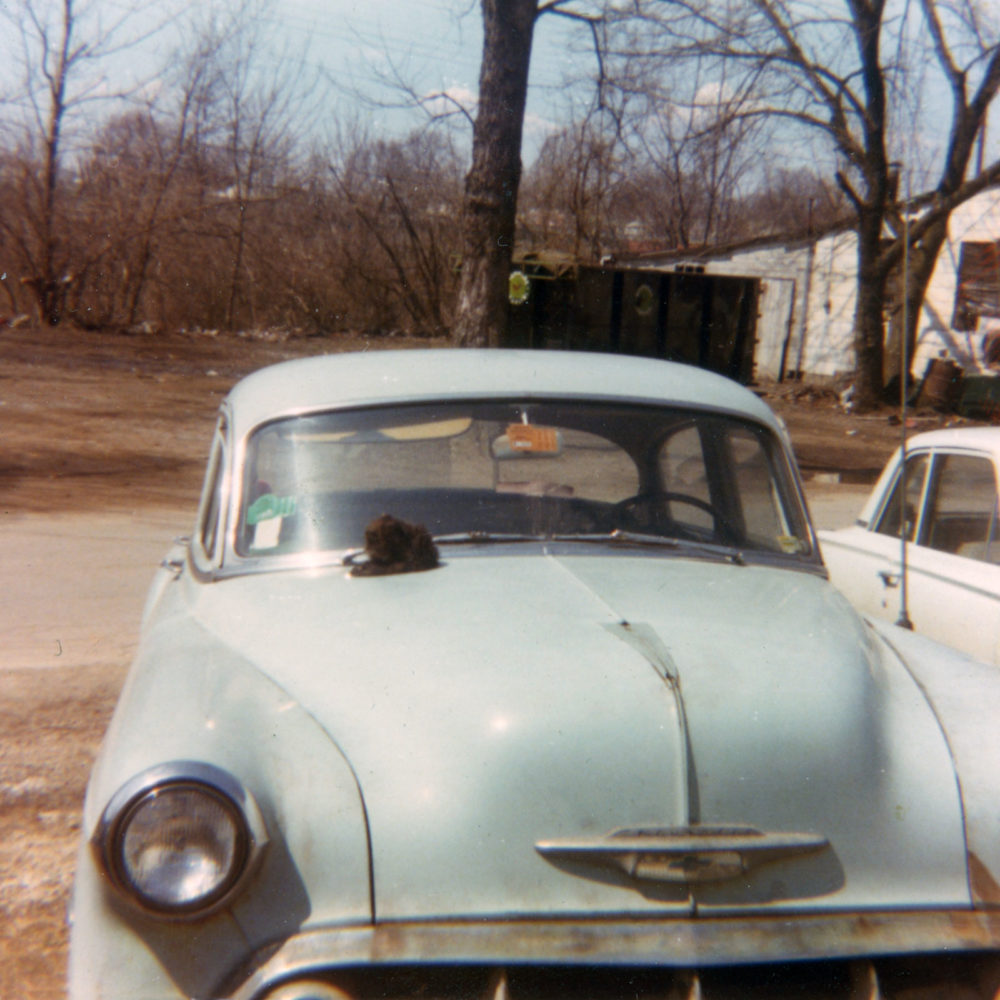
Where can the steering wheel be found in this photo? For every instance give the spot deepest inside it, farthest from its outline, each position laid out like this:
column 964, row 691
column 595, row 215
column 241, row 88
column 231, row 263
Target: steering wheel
column 648, row 511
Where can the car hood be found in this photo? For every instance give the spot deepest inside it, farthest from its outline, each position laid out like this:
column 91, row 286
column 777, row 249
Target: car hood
column 607, row 733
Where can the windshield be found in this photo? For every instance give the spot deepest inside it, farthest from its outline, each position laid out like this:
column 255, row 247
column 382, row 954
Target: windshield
column 518, row 468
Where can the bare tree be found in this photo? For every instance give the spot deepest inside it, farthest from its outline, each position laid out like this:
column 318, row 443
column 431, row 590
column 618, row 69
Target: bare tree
column 176, row 146
column 63, row 45
column 491, row 186
column 834, row 67
column 793, row 202
column 261, row 101
column 398, row 204
column 138, row 184
column 694, row 152
column 973, row 84
column 571, row 191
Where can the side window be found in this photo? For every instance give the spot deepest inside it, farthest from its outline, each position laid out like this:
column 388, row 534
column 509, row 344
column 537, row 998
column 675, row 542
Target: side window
column 962, row 512
column 904, row 501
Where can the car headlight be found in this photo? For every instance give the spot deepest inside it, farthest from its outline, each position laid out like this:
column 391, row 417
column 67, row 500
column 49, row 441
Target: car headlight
column 179, row 839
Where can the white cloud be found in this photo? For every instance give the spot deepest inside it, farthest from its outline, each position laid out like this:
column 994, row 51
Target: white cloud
column 451, row 100
column 713, row 95
column 539, row 128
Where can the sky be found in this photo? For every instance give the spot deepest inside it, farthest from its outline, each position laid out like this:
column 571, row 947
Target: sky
column 436, row 44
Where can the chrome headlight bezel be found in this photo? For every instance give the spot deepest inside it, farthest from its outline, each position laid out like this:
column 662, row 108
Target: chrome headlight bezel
column 218, row 789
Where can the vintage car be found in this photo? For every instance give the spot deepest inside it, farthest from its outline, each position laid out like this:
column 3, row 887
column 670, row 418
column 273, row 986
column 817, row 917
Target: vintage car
column 941, row 503
column 518, row 674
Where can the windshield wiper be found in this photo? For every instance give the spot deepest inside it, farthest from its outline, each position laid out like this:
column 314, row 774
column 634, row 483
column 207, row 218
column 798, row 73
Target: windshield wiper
column 640, row 539
column 620, row 537
column 617, row 537
column 486, row 538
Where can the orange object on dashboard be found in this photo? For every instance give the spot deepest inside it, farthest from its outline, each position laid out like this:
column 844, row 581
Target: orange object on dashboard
column 529, row 438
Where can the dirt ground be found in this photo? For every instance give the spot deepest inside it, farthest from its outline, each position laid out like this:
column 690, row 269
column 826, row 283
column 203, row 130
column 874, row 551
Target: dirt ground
column 101, row 456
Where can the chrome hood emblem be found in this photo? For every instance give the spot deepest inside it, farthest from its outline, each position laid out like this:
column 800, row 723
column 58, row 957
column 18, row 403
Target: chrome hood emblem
column 683, row 855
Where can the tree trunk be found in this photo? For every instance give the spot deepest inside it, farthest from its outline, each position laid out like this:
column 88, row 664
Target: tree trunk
column 869, row 326
column 491, row 185
column 48, row 288
column 234, row 277
column 919, row 268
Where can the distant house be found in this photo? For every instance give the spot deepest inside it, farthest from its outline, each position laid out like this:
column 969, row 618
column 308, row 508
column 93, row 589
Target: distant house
column 808, row 286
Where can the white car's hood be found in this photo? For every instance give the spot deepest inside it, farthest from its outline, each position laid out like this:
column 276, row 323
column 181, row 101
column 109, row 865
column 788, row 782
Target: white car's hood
column 500, row 703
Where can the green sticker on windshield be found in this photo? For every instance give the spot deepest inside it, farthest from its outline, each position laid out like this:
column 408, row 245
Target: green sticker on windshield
column 269, row 506
column 792, row 545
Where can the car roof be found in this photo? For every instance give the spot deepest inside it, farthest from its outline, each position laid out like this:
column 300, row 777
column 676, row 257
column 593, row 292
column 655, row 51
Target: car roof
column 985, row 439
column 395, row 376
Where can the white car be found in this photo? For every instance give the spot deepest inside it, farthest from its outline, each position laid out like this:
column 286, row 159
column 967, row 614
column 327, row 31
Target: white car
column 946, row 504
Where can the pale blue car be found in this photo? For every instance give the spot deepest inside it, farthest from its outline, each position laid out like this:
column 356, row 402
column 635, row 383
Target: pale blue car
column 518, row 674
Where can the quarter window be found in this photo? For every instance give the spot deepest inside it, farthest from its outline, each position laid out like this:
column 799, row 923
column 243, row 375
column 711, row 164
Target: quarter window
column 211, row 505
column 763, row 514
column 903, row 507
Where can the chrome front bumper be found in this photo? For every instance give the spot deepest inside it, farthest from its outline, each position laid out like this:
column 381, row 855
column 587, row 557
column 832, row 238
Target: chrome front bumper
column 687, row 946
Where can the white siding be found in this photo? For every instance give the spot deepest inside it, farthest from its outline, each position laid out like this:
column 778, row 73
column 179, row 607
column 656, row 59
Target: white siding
column 816, row 336
column 977, row 220
column 776, row 317
column 829, row 334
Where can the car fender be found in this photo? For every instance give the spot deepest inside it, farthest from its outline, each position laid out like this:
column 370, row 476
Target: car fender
column 951, row 682
column 191, row 698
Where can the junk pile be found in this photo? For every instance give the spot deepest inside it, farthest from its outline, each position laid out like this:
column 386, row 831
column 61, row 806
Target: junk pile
column 947, row 389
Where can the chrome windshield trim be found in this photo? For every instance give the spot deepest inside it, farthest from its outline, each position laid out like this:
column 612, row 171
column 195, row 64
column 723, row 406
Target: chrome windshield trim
column 485, row 547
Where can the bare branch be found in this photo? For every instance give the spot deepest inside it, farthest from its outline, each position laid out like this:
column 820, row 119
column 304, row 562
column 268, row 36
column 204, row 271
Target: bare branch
column 559, row 8
column 955, row 77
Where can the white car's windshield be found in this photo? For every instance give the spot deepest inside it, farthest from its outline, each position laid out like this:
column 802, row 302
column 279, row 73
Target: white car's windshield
column 518, row 468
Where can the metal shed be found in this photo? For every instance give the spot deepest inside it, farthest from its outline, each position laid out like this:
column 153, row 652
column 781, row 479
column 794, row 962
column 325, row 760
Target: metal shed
column 678, row 313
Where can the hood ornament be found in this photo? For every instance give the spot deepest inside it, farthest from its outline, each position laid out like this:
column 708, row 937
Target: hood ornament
column 683, row 855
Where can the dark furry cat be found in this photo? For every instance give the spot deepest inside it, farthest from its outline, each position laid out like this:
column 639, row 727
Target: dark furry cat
column 395, row 546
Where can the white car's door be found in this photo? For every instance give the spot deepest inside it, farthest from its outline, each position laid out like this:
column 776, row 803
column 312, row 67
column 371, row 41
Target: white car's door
column 866, row 567
column 954, row 600
column 864, row 560
column 948, row 506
